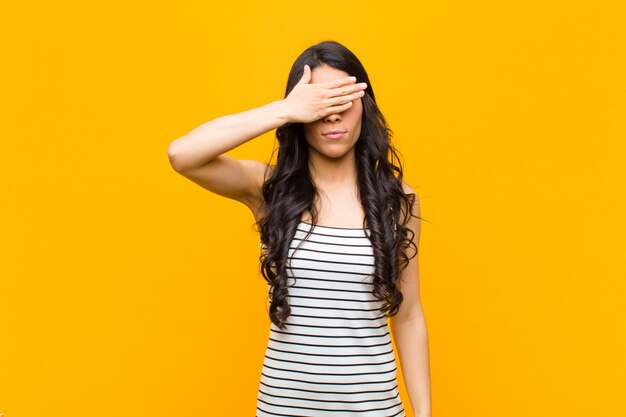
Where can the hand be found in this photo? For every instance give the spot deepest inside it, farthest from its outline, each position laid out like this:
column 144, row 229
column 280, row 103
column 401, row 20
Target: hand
column 308, row 102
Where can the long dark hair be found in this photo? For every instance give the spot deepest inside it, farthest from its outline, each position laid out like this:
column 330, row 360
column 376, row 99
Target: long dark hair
column 289, row 191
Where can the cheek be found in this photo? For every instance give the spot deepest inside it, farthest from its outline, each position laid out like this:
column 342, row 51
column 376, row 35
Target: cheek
column 357, row 107
column 355, row 113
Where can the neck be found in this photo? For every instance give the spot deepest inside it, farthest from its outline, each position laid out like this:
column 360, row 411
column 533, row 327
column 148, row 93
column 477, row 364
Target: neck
column 333, row 172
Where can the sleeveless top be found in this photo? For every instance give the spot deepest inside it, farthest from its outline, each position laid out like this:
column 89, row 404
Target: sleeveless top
column 335, row 356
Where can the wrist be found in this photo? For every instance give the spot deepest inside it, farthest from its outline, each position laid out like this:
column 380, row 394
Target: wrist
column 281, row 111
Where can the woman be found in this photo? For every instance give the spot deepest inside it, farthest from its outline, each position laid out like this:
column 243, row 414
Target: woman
column 339, row 232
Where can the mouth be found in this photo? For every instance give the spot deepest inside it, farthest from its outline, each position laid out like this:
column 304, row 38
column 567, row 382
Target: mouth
column 334, row 134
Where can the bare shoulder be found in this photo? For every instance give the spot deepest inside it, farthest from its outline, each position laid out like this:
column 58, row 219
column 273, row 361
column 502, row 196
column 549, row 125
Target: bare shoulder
column 415, row 222
column 409, row 190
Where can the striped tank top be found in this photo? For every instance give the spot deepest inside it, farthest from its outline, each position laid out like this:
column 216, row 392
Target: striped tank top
column 335, row 357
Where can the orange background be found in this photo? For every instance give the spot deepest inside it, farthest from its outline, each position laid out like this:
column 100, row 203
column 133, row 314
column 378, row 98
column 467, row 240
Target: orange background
column 127, row 290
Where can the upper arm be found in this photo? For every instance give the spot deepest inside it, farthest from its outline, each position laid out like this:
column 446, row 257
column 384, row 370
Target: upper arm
column 237, row 179
column 409, row 284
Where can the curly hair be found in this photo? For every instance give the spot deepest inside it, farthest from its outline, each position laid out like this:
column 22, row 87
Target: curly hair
column 289, row 191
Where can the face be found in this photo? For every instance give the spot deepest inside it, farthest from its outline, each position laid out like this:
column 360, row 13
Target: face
column 348, row 120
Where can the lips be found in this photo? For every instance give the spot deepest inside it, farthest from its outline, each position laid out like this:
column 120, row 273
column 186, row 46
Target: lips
column 331, row 132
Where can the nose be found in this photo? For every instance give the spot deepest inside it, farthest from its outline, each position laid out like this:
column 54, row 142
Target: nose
column 332, row 117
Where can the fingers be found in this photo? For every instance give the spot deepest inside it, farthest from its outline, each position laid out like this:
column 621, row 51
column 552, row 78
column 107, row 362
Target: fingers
column 340, row 100
column 341, row 104
column 355, row 88
column 340, row 108
column 339, row 82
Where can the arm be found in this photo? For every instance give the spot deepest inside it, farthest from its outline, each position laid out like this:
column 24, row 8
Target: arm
column 199, row 155
column 410, row 332
column 220, row 135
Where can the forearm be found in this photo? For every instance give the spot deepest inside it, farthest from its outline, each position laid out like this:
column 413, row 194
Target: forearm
column 411, row 338
column 224, row 133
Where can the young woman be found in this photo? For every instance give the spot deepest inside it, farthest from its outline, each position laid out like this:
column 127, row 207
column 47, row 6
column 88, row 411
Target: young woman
column 339, row 231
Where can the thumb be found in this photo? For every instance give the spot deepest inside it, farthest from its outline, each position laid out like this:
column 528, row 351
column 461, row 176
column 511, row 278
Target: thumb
column 306, row 75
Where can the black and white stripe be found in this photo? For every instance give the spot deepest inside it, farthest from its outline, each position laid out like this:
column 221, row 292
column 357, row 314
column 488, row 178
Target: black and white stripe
column 335, row 357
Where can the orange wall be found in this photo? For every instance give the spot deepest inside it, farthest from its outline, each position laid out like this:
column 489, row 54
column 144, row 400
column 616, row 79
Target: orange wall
column 127, row 290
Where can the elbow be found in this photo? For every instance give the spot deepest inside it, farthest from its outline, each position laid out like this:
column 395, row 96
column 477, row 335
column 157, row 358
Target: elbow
column 174, row 157
column 182, row 159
